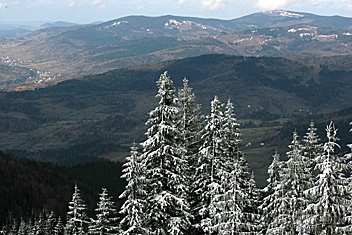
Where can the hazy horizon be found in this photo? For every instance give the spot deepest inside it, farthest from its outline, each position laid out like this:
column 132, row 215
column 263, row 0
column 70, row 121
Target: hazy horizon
column 89, row 11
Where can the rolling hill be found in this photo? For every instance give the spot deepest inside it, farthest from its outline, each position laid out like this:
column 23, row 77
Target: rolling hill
column 137, row 40
column 101, row 115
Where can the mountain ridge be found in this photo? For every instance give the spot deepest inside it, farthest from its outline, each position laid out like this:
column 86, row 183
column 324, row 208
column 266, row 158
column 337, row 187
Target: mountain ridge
column 136, row 40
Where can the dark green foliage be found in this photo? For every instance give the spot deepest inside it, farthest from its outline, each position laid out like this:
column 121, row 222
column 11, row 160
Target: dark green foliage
column 75, row 154
column 27, row 185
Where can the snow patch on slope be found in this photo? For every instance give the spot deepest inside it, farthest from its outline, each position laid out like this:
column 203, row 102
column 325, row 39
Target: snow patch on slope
column 172, row 23
column 285, row 14
column 117, row 23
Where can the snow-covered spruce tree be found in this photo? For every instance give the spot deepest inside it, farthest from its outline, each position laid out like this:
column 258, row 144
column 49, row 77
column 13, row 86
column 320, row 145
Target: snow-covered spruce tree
column 224, row 188
column 13, row 228
column 190, row 127
column 23, row 228
column 272, row 198
column 331, row 192
column 168, row 210
column 134, row 220
column 50, row 223
column 207, row 185
column 232, row 133
column 231, row 207
column 77, row 219
column 312, row 146
column 106, row 222
column 288, row 199
column 39, row 226
column 239, row 176
column 59, row 228
column 348, row 217
column 296, row 180
column 251, row 204
column 312, row 149
column 190, row 123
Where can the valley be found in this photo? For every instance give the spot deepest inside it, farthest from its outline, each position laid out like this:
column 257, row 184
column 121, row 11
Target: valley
column 99, row 116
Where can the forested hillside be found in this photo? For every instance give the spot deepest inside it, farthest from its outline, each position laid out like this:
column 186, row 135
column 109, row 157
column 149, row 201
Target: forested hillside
column 28, row 187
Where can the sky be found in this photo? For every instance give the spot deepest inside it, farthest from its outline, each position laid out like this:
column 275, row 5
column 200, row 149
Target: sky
column 88, row 11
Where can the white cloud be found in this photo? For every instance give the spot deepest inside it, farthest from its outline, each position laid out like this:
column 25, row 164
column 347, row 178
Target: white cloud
column 99, row 3
column 182, row 1
column 280, row 4
column 213, row 5
column 72, row 5
column 271, row 4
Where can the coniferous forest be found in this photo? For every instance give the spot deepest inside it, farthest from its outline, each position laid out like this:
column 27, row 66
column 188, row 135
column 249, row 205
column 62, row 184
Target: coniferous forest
column 190, row 176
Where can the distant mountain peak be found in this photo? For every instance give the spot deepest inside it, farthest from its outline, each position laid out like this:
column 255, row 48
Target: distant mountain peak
column 58, row 24
column 284, row 13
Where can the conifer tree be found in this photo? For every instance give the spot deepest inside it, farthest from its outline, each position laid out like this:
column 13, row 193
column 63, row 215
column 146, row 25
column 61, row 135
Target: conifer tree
column 77, row 219
column 50, row 223
column 30, row 225
column 167, row 191
column 288, row 200
column 190, row 127
column 106, row 222
column 297, row 177
column 348, row 217
column 207, row 186
column 237, row 165
column 251, row 219
column 189, row 119
column 23, row 228
column 13, row 228
column 272, row 197
column 274, row 172
column 39, row 226
column 232, row 133
column 331, row 192
column 59, row 227
column 312, row 145
column 312, row 149
column 231, row 207
column 134, row 208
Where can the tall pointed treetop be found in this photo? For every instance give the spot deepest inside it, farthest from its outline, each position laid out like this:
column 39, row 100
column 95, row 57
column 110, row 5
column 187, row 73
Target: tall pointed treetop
column 166, row 89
